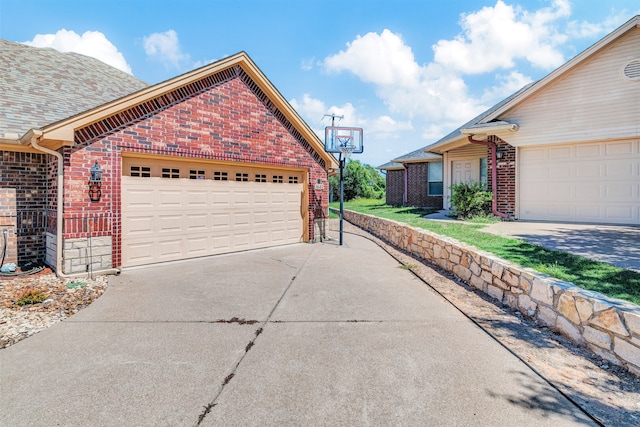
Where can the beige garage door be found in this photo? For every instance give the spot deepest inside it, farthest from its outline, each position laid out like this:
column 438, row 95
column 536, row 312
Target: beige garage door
column 597, row 182
column 172, row 219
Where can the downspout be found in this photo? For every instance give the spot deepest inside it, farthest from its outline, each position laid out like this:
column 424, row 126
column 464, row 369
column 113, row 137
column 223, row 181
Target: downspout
column 59, row 208
column 405, row 194
column 494, row 175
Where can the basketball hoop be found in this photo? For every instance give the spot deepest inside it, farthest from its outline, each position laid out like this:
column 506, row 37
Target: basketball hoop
column 345, row 141
column 346, row 146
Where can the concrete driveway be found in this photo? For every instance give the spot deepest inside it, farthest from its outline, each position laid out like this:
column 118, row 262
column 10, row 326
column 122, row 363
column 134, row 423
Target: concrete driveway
column 614, row 244
column 307, row 334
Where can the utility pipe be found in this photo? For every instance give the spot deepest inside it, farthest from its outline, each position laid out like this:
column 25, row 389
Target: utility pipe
column 494, row 175
column 59, row 209
column 405, row 193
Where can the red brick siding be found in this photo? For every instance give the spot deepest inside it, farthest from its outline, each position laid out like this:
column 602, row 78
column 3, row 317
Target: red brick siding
column 27, row 174
column 395, row 187
column 226, row 122
column 506, row 176
column 417, row 194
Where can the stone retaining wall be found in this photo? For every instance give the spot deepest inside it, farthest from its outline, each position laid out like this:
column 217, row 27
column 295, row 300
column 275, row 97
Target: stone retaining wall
column 608, row 327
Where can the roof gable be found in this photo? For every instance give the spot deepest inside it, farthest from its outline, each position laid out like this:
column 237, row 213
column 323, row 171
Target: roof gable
column 493, row 114
column 143, row 103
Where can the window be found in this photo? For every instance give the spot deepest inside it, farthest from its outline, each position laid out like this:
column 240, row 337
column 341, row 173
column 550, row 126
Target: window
column 170, row 173
column 277, row 179
column 196, row 174
column 220, row 176
column 293, row 180
column 244, row 177
column 434, row 179
column 261, row 178
column 483, row 171
column 141, row 171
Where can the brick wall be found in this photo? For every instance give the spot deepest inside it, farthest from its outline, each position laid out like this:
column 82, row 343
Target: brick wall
column 417, row 194
column 228, row 122
column 395, row 187
column 506, row 176
column 26, row 175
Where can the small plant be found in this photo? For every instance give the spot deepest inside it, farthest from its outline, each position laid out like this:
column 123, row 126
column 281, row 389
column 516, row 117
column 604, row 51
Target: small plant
column 31, row 296
column 409, row 266
column 471, row 199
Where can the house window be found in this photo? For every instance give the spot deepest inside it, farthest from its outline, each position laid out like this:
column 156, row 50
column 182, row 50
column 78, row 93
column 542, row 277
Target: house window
column 434, row 179
column 220, row 176
column 196, row 174
column 244, row 177
column 483, row 171
column 170, row 173
column 277, row 179
column 261, row 178
column 141, row 171
column 293, row 180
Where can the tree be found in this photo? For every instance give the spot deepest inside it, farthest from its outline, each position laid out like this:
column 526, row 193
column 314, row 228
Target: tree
column 360, row 181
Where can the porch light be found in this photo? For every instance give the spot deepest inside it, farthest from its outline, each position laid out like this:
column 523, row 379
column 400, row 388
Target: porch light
column 95, row 182
column 499, row 154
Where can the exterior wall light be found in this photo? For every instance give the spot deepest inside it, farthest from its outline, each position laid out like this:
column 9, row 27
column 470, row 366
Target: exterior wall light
column 95, row 183
column 499, row 154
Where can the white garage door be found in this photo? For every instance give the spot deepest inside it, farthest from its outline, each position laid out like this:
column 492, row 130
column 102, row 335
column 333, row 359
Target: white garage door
column 172, row 219
column 597, row 182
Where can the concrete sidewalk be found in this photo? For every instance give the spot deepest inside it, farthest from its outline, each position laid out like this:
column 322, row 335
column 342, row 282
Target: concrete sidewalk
column 307, row 334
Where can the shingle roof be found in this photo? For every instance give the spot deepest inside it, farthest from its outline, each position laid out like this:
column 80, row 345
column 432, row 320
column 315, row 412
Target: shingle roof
column 417, row 156
column 390, row 166
column 39, row 86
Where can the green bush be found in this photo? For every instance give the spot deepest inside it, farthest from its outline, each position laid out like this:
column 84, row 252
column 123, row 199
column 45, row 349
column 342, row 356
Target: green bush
column 471, row 199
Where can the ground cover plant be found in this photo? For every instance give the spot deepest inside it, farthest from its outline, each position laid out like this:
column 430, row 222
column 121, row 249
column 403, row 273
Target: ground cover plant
column 591, row 275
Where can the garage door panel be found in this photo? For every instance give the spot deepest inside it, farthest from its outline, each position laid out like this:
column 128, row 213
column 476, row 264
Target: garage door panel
column 590, row 183
column 171, row 219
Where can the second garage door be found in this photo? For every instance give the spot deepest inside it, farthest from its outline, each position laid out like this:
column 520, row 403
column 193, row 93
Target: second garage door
column 172, row 219
column 597, row 182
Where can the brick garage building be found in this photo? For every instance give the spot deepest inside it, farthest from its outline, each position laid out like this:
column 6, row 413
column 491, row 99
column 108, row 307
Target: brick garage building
column 209, row 162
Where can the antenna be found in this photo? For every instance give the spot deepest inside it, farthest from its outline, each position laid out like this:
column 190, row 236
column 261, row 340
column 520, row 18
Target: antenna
column 333, row 118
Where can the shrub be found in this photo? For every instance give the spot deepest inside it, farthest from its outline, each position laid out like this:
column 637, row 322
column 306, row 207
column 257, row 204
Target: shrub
column 471, row 199
column 31, row 296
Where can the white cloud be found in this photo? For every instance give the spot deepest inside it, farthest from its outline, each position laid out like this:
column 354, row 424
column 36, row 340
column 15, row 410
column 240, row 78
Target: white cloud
column 507, row 85
column 382, row 59
column 165, row 47
column 426, row 92
column 495, row 37
column 91, row 43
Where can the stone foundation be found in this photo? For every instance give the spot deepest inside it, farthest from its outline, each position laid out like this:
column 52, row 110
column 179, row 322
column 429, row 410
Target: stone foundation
column 84, row 255
column 608, row 327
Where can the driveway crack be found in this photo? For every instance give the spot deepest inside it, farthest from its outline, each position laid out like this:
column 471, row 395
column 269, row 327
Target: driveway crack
column 228, row 378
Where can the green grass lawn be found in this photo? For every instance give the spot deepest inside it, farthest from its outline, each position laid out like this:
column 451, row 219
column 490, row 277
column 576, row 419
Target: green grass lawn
column 592, row 275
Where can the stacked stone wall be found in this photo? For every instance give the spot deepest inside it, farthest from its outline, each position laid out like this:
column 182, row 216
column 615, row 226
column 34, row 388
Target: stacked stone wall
column 608, row 327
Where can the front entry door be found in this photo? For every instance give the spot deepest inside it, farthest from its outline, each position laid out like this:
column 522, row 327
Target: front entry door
column 465, row 171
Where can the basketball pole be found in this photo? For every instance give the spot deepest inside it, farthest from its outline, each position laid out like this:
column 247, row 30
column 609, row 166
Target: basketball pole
column 341, row 160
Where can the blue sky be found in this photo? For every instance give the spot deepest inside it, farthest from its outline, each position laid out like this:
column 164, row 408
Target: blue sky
column 407, row 71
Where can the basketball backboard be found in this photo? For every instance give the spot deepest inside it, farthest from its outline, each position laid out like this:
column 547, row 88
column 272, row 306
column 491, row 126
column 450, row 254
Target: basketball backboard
column 343, row 139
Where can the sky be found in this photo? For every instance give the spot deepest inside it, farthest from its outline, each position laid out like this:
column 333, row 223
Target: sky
column 407, row 71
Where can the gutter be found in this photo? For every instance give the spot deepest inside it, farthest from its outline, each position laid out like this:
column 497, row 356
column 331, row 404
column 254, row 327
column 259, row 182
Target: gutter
column 35, row 136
